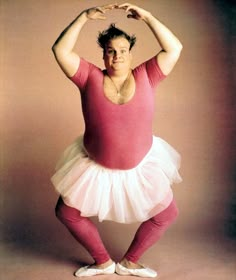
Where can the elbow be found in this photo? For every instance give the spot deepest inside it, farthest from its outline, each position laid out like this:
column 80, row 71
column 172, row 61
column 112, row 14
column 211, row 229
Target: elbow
column 179, row 48
column 177, row 51
column 57, row 51
column 54, row 48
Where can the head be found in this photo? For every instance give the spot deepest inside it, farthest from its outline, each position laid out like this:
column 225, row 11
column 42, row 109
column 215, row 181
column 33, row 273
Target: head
column 116, row 45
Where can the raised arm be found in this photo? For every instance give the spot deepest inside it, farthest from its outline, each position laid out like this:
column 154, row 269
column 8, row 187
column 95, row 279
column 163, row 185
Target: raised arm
column 63, row 48
column 171, row 46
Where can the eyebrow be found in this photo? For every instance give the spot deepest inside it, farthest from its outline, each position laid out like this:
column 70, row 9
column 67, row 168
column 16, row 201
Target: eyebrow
column 120, row 47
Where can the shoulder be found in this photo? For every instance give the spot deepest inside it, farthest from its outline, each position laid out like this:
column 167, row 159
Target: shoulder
column 84, row 66
column 151, row 69
column 150, row 63
column 84, row 70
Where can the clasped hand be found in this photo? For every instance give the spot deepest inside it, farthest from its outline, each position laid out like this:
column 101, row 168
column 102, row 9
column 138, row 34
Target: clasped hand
column 133, row 11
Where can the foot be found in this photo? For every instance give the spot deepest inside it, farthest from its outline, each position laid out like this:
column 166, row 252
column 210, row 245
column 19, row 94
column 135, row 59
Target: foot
column 96, row 269
column 126, row 267
column 129, row 264
column 102, row 265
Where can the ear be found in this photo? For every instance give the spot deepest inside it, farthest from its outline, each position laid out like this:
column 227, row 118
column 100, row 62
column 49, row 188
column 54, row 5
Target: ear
column 130, row 55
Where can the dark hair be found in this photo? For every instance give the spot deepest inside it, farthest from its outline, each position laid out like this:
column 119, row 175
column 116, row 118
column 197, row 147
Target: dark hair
column 112, row 33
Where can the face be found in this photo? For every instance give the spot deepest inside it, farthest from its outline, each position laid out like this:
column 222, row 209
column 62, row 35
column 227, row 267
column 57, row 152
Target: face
column 117, row 56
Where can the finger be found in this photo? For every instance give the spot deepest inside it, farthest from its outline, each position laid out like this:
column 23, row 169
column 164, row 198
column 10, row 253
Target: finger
column 101, row 17
column 109, row 7
column 129, row 8
column 132, row 16
column 100, row 9
column 124, row 6
column 105, row 8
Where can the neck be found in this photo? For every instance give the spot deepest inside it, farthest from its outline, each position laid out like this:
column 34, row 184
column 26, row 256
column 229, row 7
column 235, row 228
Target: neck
column 118, row 74
column 120, row 82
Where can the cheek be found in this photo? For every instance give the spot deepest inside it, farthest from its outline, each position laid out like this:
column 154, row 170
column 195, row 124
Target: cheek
column 129, row 60
column 107, row 59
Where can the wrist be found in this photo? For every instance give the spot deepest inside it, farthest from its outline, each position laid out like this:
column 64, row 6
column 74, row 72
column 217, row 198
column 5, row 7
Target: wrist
column 84, row 15
column 147, row 17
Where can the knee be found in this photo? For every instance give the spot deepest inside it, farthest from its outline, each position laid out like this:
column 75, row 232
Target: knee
column 168, row 216
column 67, row 214
column 62, row 211
column 59, row 209
column 174, row 213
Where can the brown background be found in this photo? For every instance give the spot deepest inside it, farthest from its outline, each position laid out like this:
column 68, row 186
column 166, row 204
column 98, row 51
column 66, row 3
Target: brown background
column 40, row 116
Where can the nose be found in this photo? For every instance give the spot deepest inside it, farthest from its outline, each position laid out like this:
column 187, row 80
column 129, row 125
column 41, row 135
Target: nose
column 117, row 54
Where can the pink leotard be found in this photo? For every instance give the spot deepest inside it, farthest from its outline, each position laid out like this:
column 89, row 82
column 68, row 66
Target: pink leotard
column 118, row 136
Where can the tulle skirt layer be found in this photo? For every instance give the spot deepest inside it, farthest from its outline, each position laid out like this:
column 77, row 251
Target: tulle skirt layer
column 124, row 196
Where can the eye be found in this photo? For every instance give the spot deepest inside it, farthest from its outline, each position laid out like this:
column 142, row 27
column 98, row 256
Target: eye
column 110, row 51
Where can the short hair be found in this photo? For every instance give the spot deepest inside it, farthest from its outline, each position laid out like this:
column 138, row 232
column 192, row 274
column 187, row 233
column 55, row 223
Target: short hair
column 112, row 33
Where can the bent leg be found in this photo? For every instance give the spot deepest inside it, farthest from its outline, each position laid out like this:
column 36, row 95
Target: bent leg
column 84, row 231
column 150, row 232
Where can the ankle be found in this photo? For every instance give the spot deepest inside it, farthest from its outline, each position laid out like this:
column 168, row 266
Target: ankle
column 128, row 264
column 105, row 264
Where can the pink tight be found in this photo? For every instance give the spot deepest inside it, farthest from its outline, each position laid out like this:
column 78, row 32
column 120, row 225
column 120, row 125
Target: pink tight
column 86, row 233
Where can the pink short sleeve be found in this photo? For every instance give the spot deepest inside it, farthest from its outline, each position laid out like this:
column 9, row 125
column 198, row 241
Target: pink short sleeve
column 154, row 72
column 81, row 76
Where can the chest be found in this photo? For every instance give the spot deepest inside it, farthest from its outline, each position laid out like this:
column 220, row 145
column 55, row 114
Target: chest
column 100, row 103
column 119, row 92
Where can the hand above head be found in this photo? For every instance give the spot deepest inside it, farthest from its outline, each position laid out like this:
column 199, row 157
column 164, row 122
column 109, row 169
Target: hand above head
column 135, row 12
column 65, row 43
column 99, row 11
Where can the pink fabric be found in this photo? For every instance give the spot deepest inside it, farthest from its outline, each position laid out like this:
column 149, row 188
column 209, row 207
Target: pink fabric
column 118, row 136
column 123, row 196
column 87, row 234
column 84, row 231
column 151, row 231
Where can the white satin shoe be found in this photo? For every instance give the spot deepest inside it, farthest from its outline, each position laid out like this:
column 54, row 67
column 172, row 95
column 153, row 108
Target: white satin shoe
column 88, row 271
column 141, row 272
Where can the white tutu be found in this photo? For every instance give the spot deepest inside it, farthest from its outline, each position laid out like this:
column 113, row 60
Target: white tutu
column 124, row 196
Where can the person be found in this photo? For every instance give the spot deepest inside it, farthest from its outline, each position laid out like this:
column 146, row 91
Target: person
column 117, row 170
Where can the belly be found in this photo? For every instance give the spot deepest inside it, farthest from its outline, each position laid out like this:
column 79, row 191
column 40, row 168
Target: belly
column 118, row 152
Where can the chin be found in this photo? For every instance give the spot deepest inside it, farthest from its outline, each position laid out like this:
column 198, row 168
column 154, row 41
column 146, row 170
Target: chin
column 119, row 65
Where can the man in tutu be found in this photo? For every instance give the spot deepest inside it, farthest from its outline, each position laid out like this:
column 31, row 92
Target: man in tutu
column 117, row 170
